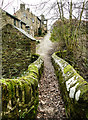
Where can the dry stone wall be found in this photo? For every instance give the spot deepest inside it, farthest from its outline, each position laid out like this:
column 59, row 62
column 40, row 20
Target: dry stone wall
column 20, row 96
column 17, row 48
column 74, row 89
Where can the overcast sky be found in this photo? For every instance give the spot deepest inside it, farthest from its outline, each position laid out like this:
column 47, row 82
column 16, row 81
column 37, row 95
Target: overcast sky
column 9, row 5
column 13, row 5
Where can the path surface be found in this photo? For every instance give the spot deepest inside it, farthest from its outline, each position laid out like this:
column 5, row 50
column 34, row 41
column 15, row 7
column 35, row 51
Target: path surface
column 51, row 106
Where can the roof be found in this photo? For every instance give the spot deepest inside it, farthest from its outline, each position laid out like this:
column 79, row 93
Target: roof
column 15, row 18
column 12, row 16
column 38, row 18
column 31, row 13
column 25, row 33
column 22, row 31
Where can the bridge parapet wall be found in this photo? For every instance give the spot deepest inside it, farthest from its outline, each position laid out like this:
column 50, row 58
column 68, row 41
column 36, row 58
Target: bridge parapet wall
column 20, row 96
column 74, row 89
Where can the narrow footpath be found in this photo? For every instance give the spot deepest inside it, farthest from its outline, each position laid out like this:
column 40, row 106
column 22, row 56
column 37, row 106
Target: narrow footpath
column 51, row 106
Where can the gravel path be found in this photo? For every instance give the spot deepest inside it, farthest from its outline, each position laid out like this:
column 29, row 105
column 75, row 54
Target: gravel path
column 51, row 106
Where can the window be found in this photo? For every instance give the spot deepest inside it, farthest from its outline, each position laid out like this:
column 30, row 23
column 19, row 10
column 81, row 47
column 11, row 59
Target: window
column 21, row 25
column 14, row 22
column 28, row 27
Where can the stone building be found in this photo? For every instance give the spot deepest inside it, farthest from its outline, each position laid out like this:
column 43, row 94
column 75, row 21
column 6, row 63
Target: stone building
column 6, row 18
column 17, row 48
column 43, row 24
column 25, row 20
column 32, row 21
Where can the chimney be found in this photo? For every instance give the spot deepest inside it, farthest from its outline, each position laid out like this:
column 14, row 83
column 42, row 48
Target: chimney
column 22, row 7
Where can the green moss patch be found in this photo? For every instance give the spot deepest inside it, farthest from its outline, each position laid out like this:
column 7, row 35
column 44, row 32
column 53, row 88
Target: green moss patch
column 20, row 96
column 73, row 87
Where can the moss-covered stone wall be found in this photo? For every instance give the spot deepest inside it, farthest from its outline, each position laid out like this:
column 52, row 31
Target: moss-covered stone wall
column 16, row 51
column 74, row 89
column 20, row 96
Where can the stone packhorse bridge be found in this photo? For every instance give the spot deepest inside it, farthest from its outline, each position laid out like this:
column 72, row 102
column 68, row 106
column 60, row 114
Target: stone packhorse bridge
column 20, row 97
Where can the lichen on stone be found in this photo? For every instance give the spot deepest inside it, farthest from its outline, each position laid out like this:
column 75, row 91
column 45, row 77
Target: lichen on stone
column 77, row 95
column 21, row 95
column 72, row 91
column 73, row 87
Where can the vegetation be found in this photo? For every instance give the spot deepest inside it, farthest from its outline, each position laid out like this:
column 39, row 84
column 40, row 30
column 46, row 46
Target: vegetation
column 20, row 96
column 71, row 34
column 73, row 87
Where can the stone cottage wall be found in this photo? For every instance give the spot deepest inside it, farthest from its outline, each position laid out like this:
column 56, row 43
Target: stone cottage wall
column 16, row 51
column 6, row 18
column 3, row 19
column 27, row 17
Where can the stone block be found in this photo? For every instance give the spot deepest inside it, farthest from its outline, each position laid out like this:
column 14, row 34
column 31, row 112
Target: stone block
column 74, row 89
